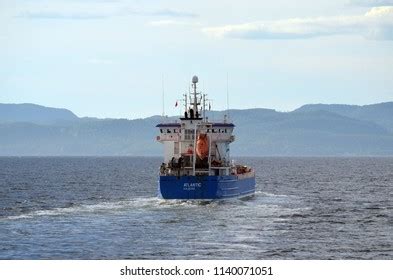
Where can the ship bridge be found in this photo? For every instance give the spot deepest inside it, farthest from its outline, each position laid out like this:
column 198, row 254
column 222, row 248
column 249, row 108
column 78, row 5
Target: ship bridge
column 194, row 145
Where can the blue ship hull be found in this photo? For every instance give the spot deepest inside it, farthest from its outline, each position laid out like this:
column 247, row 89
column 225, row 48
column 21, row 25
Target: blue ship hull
column 205, row 187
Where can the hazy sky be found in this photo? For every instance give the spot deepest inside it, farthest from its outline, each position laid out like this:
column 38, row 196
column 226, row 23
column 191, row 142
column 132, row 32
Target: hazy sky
column 106, row 58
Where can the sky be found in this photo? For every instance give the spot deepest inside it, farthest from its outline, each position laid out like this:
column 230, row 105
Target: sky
column 114, row 58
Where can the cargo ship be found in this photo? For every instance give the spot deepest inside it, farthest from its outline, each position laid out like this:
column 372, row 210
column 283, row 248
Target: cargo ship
column 197, row 163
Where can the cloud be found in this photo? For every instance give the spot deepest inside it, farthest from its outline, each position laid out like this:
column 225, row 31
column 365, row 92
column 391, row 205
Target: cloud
column 74, row 10
column 96, row 9
column 372, row 3
column 376, row 24
column 62, row 15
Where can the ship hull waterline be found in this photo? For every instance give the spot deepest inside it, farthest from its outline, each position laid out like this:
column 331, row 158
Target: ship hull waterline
column 205, row 187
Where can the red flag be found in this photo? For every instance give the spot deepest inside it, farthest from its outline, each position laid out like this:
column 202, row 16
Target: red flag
column 176, row 104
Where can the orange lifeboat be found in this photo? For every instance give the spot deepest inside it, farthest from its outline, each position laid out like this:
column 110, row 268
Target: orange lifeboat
column 202, row 146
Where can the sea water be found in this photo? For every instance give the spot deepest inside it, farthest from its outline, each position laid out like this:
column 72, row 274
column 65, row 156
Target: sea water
column 107, row 208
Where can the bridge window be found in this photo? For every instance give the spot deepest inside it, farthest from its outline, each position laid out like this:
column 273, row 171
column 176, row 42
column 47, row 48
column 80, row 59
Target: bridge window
column 189, row 134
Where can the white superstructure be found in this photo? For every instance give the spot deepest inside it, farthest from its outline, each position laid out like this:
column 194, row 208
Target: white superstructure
column 194, row 145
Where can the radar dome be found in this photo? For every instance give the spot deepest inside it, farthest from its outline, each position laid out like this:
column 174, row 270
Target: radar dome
column 194, row 79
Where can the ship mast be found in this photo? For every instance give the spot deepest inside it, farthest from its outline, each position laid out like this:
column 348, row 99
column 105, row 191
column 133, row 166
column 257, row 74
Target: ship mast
column 195, row 101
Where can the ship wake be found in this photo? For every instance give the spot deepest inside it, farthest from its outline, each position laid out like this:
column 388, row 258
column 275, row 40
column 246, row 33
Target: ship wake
column 140, row 203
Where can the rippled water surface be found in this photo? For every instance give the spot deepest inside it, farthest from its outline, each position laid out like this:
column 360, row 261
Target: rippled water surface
column 106, row 208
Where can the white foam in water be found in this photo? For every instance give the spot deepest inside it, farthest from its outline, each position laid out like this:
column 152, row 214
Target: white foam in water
column 183, row 203
column 153, row 203
column 141, row 202
column 91, row 208
column 270, row 194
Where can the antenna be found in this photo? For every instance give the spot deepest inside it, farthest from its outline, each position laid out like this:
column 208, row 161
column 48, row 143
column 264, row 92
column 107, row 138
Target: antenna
column 189, row 94
column 185, row 102
column 195, row 93
column 227, row 97
column 185, row 98
column 211, row 106
column 163, row 97
column 204, row 106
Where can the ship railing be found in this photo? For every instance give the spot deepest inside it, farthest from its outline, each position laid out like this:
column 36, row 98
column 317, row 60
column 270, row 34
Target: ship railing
column 205, row 171
column 248, row 174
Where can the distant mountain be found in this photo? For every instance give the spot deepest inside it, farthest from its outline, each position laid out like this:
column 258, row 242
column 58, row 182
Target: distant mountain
column 312, row 130
column 314, row 133
column 381, row 113
column 32, row 113
column 85, row 137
